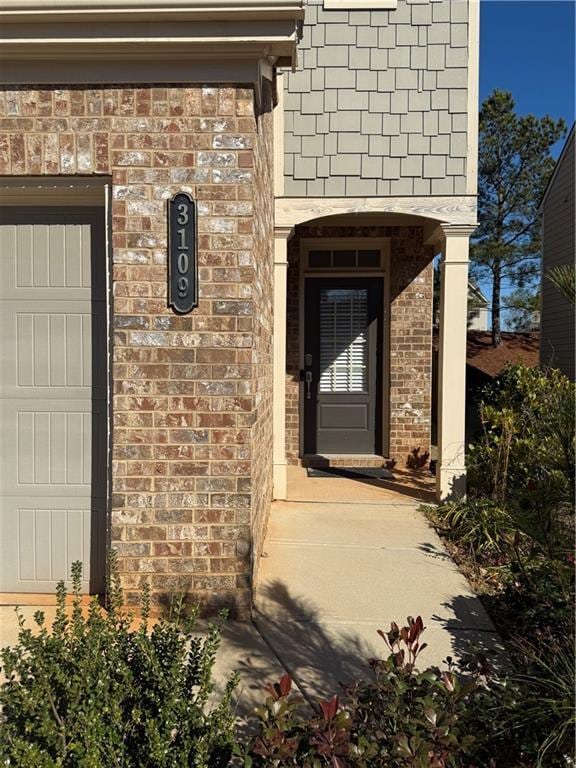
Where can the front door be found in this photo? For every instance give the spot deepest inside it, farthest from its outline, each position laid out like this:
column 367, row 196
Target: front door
column 52, row 397
column 342, row 365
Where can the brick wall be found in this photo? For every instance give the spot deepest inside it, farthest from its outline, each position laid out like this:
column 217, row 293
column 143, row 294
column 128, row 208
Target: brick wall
column 191, row 394
column 410, row 330
column 263, row 227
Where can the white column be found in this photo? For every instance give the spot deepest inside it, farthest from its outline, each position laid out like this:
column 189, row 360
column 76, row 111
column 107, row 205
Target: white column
column 281, row 237
column 451, row 467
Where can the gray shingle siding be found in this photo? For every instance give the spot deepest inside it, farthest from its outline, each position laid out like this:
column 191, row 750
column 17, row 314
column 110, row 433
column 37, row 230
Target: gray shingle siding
column 378, row 105
column 557, row 338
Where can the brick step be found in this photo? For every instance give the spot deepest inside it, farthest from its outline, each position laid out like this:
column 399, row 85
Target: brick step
column 343, row 460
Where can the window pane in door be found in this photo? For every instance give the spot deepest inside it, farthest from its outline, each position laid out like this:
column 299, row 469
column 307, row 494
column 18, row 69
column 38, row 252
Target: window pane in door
column 343, row 340
column 369, row 259
column 343, row 259
column 319, row 259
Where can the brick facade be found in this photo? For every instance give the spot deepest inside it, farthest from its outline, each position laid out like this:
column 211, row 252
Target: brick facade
column 410, row 334
column 191, row 394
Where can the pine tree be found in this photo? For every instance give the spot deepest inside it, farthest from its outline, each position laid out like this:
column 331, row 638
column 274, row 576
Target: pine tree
column 514, row 166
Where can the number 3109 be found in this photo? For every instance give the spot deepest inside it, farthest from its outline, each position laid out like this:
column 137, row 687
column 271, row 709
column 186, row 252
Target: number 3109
column 183, row 261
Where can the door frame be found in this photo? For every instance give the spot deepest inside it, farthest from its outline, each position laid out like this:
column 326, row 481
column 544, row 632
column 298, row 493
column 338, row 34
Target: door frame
column 383, row 244
column 67, row 193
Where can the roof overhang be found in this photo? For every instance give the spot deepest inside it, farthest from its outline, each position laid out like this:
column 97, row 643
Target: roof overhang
column 61, row 31
column 58, row 11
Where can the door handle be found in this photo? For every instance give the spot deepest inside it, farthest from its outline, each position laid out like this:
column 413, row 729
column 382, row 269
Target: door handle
column 308, row 379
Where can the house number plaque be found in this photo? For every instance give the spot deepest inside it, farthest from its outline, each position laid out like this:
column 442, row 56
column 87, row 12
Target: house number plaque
column 182, row 260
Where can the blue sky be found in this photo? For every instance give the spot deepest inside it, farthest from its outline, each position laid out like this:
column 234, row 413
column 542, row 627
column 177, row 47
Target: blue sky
column 527, row 47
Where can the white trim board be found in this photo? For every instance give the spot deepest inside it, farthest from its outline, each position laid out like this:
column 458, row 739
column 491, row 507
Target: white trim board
column 290, row 211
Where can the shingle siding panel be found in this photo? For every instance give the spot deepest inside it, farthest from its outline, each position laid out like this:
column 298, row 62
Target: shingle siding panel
column 371, row 123
column 351, row 99
column 441, row 11
column 345, row 165
column 399, row 146
column 367, row 81
column 340, row 77
column 422, row 14
column 459, row 184
column 418, row 57
column 458, row 12
column 352, row 143
column 359, row 18
column 458, row 35
column 442, row 186
column 431, row 124
column 411, row 166
column 359, row 58
column 380, row 97
column 379, row 102
column 360, row 187
column 440, row 145
column 340, row 34
column 429, row 80
column 379, row 146
column 434, row 167
column 407, row 79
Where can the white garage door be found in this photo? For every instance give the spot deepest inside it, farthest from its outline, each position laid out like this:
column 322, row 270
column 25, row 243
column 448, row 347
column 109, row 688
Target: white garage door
column 52, row 397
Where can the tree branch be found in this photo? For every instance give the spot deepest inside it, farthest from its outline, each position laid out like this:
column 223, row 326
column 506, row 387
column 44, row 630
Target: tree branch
column 522, row 232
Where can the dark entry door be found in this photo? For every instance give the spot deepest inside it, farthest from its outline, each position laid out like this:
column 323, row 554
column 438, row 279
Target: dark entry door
column 342, row 365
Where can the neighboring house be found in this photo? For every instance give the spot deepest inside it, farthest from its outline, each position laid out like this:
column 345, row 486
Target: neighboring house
column 322, row 194
column 478, row 309
column 558, row 207
column 484, row 362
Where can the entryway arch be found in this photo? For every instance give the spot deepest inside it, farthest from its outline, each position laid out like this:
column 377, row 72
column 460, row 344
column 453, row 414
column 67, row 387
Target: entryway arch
column 417, row 238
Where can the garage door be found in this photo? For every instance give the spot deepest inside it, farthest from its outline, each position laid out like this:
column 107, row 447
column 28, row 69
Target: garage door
column 52, row 397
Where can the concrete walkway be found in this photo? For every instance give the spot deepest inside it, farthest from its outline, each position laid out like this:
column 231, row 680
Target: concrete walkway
column 335, row 573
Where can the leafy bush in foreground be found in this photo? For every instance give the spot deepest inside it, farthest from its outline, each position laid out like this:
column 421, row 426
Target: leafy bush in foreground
column 459, row 717
column 528, row 434
column 402, row 718
column 96, row 694
column 515, row 535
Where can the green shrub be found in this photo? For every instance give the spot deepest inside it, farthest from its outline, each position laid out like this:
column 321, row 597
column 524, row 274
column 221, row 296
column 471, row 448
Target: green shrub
column 479, row 525
column 519, row 517
column 528, row 433
column 402, row 718
column 459, row 717
column 544, row 708
column 96, row 694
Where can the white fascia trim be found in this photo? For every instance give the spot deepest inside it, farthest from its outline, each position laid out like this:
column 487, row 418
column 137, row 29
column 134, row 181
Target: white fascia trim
column 270, row 39
column 473, row 95
column 291, row 211
column 147, row 10
column 361, row 5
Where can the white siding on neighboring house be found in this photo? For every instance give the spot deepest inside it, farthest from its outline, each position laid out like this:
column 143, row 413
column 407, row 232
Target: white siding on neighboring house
column 558, row 230
column 478, row 319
